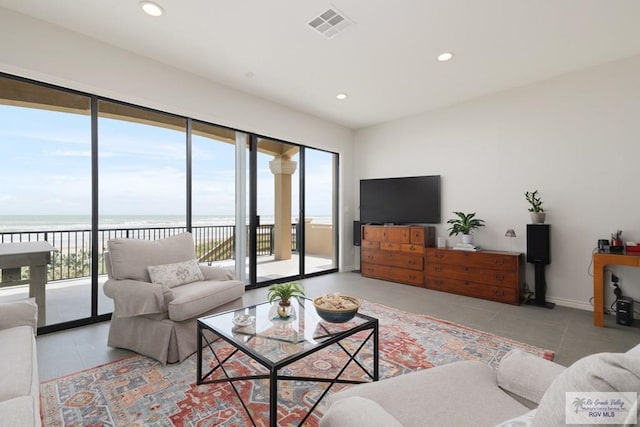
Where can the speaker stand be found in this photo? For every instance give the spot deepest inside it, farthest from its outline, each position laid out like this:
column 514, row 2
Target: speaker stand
column 541, row 288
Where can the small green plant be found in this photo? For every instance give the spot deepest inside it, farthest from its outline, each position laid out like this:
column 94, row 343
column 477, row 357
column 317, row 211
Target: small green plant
column 535, row 201
column 285, row 291
column 464, row 224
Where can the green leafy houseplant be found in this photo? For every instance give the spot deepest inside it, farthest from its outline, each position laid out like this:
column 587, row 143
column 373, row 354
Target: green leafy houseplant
column 535, row 201
column 464, row 224
column 285, row 291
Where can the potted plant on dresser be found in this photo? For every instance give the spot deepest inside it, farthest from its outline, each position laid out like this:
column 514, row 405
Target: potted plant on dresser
column 465, row 224
column 537, row 212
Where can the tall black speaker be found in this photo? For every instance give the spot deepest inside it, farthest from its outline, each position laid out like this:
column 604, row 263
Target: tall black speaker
column 357, row 230
column 539, row 254
column 538, row 244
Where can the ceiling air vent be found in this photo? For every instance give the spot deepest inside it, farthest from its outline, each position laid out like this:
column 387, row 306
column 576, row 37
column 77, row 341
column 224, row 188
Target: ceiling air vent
column 330, row 23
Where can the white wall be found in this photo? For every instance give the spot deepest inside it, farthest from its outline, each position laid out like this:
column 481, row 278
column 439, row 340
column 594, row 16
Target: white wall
column 37, row 50
column 575, row 138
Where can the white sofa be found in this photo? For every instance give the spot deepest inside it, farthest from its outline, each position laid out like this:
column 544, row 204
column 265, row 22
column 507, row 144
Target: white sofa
column 525, row 390
column 156, row 316
column 19, row 384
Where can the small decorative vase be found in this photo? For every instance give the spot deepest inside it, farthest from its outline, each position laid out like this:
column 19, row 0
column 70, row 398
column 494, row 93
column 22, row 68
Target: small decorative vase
column 467, row 239
column 538, row 217
column 284, row 309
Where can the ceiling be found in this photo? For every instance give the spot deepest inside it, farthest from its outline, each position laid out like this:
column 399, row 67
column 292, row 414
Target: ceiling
column 385, row 60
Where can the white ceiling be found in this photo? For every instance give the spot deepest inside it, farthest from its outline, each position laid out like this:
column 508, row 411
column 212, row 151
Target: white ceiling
column 386, row 61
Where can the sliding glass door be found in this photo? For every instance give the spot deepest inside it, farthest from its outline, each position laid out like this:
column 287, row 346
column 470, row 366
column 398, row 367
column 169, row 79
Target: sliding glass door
column 277, row 207
column 142, row 177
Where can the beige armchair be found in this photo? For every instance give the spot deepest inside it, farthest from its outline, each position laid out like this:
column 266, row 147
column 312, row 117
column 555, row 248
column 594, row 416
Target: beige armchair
column 159, row 291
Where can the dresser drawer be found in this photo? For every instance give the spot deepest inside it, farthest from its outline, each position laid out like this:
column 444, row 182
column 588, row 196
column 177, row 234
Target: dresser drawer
column 473, row 259
column 473, row 289
column 396, row 235
column 476, row 274
column 370, row 244
column 393, row 258
column 417, row 236
column 372, row 233
column 394, row 274
column 402, row 247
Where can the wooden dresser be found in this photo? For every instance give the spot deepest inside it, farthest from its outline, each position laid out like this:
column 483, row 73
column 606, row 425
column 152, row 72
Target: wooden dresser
column 395, row 252
column 496, row 276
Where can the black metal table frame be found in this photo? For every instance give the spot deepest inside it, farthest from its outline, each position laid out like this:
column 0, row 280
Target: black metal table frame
column 273, row 368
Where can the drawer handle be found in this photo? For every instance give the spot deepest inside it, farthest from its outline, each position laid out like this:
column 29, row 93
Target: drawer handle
column 411, row 248
column 466, row 283
column 499, row 276
column 412, row 276
column 370, row 257
column 499, row 293
column 439, row 256
column 499, row 261
column 437, row 268
column 411, row 262
column 465, row 268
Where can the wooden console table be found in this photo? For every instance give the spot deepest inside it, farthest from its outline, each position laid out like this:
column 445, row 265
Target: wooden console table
column 35, row 255
column 599, row 262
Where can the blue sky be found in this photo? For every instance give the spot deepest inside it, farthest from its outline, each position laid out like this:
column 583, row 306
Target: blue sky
column 45, row 169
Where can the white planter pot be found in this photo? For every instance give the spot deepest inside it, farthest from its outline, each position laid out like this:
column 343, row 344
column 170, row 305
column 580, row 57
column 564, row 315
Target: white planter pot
column 467, row 239
column 538, row 218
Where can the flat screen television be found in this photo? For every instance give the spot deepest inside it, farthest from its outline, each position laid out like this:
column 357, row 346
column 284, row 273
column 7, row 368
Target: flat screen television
column 406, row 200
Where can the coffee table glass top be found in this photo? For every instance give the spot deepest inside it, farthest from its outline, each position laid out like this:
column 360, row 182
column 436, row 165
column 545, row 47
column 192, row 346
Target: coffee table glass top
column 274, row 338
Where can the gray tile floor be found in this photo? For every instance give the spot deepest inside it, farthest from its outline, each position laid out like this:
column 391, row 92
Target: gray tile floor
column 568, row 332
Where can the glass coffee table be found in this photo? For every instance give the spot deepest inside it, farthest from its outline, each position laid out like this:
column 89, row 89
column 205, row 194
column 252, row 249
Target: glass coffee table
column 274, row 343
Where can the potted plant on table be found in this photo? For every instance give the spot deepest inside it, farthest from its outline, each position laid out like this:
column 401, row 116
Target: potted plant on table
column 284, row 292
column 537, row 212
column 465, row 224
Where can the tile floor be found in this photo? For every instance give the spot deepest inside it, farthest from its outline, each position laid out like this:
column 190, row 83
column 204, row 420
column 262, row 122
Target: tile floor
column 569, row 332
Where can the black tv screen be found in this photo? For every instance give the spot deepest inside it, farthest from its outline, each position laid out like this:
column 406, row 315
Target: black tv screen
column 408, row 200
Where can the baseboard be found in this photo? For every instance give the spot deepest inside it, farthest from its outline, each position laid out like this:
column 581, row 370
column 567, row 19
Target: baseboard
column 350, row 268
column 580, row 305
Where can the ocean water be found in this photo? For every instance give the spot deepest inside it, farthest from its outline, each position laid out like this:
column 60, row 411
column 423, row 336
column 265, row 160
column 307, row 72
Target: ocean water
column 15, row 223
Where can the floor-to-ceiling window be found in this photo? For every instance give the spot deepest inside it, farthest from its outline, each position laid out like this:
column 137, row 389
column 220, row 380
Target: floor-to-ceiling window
column 45, row 192
column 320, row 198
column 142, row 175
column 78, row 170
column 214, row 194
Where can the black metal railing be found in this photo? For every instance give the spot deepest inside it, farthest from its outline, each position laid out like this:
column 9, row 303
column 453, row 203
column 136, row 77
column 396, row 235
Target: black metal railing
column 72, row 258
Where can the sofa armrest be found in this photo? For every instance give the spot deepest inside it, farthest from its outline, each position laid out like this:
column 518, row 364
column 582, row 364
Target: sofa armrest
column 136, row 298
column 634, row 352
column 357, row 411
column 19, row 313
column 526, row 375
column 217, row 273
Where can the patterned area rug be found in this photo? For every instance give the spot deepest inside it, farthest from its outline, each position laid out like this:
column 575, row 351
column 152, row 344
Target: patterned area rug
column 138, row 391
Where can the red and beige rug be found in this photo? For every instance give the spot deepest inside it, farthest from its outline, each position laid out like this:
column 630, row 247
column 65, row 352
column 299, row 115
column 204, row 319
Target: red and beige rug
column 138, row 391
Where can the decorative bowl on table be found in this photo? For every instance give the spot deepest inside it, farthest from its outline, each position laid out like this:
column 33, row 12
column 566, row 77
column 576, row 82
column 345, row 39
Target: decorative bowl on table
column 336, row 308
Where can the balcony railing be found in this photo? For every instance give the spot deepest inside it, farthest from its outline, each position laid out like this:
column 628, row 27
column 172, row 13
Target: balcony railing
column 72, row 259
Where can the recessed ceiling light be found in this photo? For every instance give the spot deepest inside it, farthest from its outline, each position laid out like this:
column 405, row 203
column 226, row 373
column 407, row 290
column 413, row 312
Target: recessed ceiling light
column 151, row 8
column 341, row 96
column 443, row 57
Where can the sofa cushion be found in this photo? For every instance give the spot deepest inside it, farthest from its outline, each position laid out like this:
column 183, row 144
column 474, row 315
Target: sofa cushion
column 433, row 397
column 21, row 411
column 195, row 298
column 129, row 258
column 18, row 370
column 357, row 411
column 19, row 313
column 527, row 375
column 601, row 372
column 175, row 274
